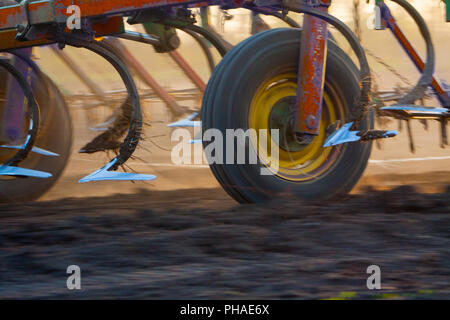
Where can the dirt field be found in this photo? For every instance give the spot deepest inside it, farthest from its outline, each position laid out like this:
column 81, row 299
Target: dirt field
column 173, row 244
column 182, row 236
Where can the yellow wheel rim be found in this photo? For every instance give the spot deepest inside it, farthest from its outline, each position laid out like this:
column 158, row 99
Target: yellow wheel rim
column 299, row 164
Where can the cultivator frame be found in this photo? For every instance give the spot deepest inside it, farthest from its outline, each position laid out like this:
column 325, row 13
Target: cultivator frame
column 35, row 23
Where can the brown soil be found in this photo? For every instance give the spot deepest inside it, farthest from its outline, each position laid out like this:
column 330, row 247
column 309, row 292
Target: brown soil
column 199, row 244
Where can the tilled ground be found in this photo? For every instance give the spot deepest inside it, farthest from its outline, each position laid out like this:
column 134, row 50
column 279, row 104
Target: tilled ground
column 131, row 246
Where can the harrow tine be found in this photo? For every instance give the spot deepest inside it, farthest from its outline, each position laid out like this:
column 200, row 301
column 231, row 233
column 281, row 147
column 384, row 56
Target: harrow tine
column 34, row 149
column 187, row 122
column 22, row 172
column 104, row 174
column 414, row 111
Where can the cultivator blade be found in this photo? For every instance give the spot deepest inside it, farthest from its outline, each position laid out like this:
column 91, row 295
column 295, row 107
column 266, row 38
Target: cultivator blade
column 187, row 122
column 35, row 150
column 104, row 175
column 416, row 112
column 345, row 135
column 411, row 112
column 22, row 172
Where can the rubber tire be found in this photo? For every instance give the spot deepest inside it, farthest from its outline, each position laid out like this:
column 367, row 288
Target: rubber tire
column 54, row 134
column 228, row 98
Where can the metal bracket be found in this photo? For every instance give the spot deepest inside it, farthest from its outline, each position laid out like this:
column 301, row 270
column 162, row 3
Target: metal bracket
column 23, row 29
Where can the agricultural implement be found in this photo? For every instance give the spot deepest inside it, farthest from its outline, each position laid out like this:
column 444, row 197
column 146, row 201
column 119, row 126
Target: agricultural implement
column 296, row 81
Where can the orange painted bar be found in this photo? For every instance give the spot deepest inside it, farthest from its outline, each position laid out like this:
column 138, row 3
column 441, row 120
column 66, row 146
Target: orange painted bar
column 42, row 11
column 8, row 41
column 100, row 7
column 110, row 26
column 313, row 58
column 47, row 11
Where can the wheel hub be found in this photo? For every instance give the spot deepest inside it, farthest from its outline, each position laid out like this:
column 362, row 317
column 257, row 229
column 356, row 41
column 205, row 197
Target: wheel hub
column 282, row 118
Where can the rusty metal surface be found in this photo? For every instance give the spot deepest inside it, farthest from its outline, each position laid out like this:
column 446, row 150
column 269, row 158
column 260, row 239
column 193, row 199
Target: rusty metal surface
column 311, row 74
column 56, row 11
column 111, row 25
column 45, row 12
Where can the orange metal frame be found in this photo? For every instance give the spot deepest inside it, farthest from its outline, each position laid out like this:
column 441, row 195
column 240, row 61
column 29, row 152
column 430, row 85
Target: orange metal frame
column 313, row 58
column 45, row 12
